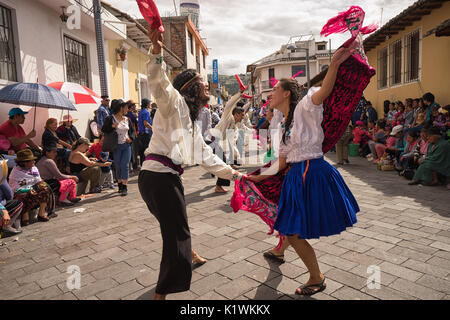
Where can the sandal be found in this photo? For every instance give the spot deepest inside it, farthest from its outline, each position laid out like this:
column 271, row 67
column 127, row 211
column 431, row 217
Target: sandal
column 274, row 257
column 308, row 291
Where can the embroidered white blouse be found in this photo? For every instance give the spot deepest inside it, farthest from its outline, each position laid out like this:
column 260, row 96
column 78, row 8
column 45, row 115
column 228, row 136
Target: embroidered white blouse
column 305, row 137
column 122, row 130
column 174, row 134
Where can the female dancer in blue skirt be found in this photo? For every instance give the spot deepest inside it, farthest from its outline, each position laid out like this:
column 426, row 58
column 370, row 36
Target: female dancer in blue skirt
column 314, row 201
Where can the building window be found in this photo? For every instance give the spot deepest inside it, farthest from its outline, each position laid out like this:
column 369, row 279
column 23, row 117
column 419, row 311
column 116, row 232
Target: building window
column 383, row 68
column 7, row 49
column 412, row 56
column 271, row 76
column 76, row 61
column 191, row 44
column 396, row 62
column 297, row 69
column 321, row 47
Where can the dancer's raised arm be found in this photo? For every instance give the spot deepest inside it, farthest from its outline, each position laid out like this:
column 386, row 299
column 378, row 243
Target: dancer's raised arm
column 328, row 83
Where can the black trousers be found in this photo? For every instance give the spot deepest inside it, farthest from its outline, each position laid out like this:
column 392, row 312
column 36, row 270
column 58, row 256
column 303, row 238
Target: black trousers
column 164, row 195
column 222, row 182
column 144, row 140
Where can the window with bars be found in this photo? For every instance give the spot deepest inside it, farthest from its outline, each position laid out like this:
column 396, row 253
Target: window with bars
column 382, row 68
column 7, row 48
column 76, row 61
column 412, row 56
column 396, row 62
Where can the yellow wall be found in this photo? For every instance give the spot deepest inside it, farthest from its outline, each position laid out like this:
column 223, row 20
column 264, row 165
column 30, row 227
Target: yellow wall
column 136, row 64
column 434, row 64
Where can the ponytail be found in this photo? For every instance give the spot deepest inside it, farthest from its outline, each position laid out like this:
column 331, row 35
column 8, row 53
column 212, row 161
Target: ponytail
column 292, row 86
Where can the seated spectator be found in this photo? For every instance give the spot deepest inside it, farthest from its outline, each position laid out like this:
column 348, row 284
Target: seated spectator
column 67, row 132
column 361, row 137
column 391, row 113
column 429, row 103
column 83, row 167
column 407, row 156
column 421, row 148
column 435, row 168
column 372, row 114
column 398, row 117
column 29, row 187
column 106, row 178
column 379, row 138
column 63, row 186
column 14, row 132
column 408, row 117
column 11, row 210
column 395, row 151
column 438, row 119
column 49, row 137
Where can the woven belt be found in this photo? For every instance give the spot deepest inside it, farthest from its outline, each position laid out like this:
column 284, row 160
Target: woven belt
column 166, row 161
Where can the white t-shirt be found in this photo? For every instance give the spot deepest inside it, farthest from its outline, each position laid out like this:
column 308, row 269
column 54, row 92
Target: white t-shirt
column 305, row 137
column 122, row 130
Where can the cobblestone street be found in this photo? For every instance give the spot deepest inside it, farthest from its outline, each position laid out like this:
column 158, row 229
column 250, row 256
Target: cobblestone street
column 404, row 230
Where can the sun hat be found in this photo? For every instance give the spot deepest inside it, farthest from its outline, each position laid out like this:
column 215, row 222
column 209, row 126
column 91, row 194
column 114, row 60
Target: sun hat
column 25, row 155
column 396, row 130
column 68, row 118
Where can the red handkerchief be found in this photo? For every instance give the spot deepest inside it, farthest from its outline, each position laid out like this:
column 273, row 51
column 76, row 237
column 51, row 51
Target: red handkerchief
column 151, row 14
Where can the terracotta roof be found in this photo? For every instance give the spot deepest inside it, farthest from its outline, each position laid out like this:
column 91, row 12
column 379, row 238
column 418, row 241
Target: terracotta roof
column 406, row 18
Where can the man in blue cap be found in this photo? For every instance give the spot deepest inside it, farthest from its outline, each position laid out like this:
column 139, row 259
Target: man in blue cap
column 103, row 111
column 14, row 132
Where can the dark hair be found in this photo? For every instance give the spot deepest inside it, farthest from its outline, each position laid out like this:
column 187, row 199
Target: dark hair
column 191, row 94
column 381, row 124
column 409, row 102
column 368, row 103
column 117, row 105
column 413, row 134
column 434, row 131
column 292, row 86
column 240, row 103
column 417, row 100
column 105, row 97
column 237, row 110
column 428, row 97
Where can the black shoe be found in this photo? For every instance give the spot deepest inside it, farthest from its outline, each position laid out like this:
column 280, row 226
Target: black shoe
column 346, row 161
column 124, row 191
column 65, row 204
column 43, row 219
column 75, row 200
column 10, row 233
column 120, row 185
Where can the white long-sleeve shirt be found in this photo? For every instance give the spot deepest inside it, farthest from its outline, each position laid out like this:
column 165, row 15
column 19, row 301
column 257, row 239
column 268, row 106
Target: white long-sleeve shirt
column 174, row 134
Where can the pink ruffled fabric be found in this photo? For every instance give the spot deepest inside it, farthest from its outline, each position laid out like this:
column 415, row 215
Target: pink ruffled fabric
column 67, row 189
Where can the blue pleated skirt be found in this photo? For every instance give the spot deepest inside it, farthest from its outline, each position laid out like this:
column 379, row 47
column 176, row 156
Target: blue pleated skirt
column 315, row 204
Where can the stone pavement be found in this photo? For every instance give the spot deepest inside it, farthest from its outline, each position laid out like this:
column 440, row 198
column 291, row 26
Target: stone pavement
column 402, row 230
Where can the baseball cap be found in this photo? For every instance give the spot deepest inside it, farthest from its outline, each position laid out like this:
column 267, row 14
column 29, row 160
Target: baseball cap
column 396, row 130
column 15, row 111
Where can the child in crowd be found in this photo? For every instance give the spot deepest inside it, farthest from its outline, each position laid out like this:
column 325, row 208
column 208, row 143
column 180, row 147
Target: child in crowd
column 407, row 156
column 398, row 117
column 379, row 137
column 106, row 178
column 361, row 137
column 395, row 151
column 391, row 113
column 408, row 117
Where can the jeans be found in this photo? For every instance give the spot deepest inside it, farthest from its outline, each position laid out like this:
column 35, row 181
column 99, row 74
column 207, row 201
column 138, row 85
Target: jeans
column 122, row 157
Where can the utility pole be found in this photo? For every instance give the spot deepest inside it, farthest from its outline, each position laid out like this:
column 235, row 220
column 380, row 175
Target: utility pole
column 100, row 48
column 175, row 6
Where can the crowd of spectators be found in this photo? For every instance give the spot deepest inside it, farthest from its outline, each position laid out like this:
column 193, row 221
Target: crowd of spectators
column 412, row 138
column 38, row 178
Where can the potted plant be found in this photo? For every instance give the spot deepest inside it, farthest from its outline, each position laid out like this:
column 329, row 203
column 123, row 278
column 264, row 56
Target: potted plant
column 122, row 53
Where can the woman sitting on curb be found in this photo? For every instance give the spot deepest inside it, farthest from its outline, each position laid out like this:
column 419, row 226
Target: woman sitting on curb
column 83, row 167
column 29, row 187
column 64, row 185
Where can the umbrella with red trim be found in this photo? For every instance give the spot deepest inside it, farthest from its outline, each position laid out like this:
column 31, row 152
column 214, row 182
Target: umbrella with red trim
column 76, row 93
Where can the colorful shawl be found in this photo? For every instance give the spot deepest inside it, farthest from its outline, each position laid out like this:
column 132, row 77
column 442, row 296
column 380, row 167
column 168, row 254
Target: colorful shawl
column 353, row 77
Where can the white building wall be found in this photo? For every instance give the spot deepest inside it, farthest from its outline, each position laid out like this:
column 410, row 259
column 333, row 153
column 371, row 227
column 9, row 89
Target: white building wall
column 40, row 35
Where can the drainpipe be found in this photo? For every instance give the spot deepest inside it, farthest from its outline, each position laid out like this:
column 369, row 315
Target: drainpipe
column 100, row 47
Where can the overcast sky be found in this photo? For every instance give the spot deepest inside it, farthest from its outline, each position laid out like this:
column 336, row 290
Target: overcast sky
column 240, row 32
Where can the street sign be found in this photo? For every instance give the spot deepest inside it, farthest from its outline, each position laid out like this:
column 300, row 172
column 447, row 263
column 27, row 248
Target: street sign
column 215, row 71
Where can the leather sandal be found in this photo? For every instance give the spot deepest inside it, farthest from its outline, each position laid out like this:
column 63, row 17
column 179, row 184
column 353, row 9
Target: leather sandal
column 274, row 257
column 306, row 290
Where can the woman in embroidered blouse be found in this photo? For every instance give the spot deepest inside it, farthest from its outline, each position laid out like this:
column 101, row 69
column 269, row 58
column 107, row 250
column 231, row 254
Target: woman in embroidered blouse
column 28, row 187
column 126, row 134
column 314, row 201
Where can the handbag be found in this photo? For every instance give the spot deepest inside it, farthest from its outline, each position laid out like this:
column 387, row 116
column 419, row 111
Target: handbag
column 110, row 141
